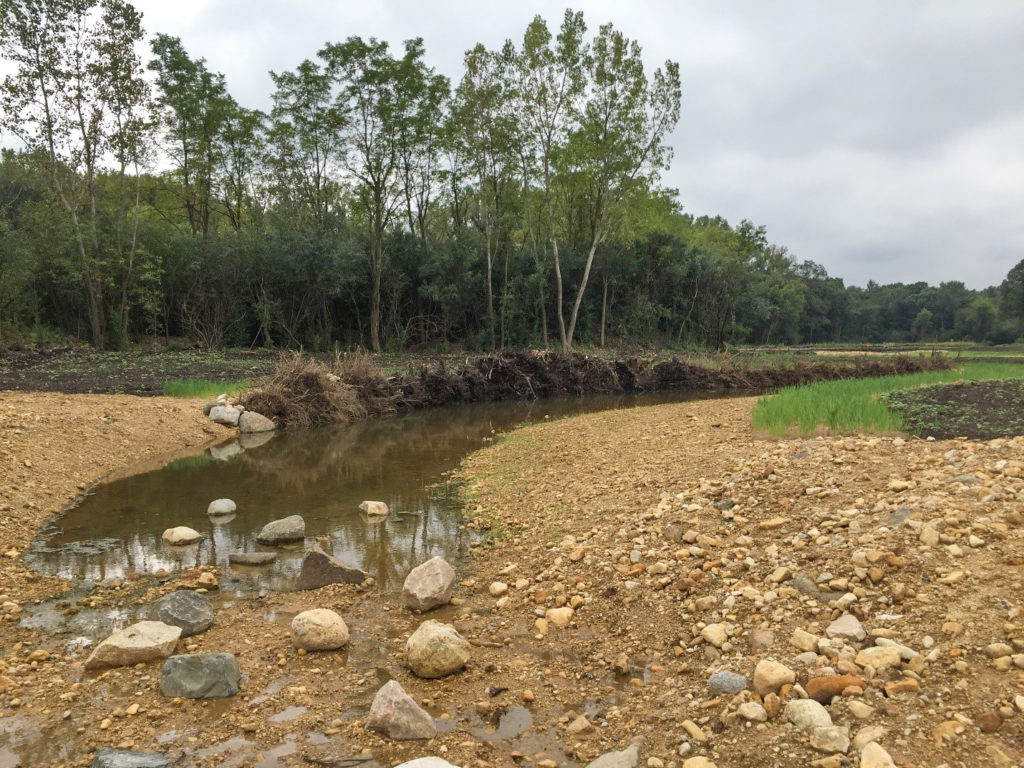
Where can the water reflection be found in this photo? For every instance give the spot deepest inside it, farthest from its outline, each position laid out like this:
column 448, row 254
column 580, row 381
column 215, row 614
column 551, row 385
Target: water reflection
column 321, row 474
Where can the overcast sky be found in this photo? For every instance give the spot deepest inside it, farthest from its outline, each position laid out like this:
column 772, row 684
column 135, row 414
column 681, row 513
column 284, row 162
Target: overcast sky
column 883, row 139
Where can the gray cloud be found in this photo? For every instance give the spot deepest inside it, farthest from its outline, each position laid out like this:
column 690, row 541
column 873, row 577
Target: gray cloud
column 884, row 140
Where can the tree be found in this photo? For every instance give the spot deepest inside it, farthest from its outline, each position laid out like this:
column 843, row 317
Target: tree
column 978, row 318
column 73, row 98
column 1011, row 295
column 922, row 324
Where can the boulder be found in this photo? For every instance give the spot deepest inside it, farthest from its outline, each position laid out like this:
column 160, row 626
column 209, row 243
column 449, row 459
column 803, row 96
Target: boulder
column 624, row 758
column 292, row 528
column 144, row 641
column 221, row 507
column 374, row 508
column 319, row 629
column 251, row 422
column 252, row 558
column 428, row 585
column 181, row 535
column 123, row 758
column 200, row 676
column 210, row 406
column 186, row 609
column 320, row 569
column 395, row 714
column 225, row 414
column 436, row 650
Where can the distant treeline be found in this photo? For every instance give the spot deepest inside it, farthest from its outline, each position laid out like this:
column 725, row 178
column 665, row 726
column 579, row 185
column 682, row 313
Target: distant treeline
column 377, row 204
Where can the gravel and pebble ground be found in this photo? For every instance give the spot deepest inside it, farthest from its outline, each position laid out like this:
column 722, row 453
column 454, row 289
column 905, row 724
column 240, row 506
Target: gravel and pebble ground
column 657, row 575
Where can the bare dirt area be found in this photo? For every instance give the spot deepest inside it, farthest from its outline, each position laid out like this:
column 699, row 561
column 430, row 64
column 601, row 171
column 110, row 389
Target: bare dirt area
column 633, row 554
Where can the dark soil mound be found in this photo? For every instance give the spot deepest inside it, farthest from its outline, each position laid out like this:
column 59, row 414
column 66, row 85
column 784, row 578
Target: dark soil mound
column 980, row 410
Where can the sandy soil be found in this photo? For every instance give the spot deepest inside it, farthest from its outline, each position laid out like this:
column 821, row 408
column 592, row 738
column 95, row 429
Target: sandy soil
column 683, row 544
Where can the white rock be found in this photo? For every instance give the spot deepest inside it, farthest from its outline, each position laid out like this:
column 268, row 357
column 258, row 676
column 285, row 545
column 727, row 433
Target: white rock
column 319, row 629
column 428, row 585
column 807, row 714
column 181, row 535
column 830, row 738
column 716, row 634
column 498, row 588
column 226, row 415
column 847, row 627
column 866, row 735
column 770, row 676
column 874, row 756
column 751, row 710
column 878, row 657
column 436, row 650
column 804, row 641
column 144, row 641
column 221, row 507
column 374, row 508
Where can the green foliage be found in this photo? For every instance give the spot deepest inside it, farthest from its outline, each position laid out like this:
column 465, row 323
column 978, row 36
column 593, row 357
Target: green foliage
column 192, row 388
column 854, row 404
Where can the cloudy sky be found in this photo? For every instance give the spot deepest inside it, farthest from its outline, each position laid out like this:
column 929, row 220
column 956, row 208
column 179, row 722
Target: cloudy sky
column 882, row 139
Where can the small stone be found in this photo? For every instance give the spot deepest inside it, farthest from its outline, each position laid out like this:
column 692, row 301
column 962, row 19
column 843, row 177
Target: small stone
column 319, row 629
column 436, row 650
column 751, row 710
column 726, row 682
column 186, row 609
column 694, row 731
column 497, row 588
column 846, row 627
column 397, row 715
column 866, row 735
column 560, row 617
column 219, row 507
column 804, row 641
column 291, row 528
column 181, row 535
column 989, row 722
column 716, row 634
column 770, row 676
column 428, row 585
column 874, row 756
column 832, row 738
column 200, row 676
column 699, row 762
column 579, row 725
column 906, row 685
column 625, row 758
column 879, row 658
column 825, row 688
column 320, row 569
column 860, row 710
column 807, row 714
column 997, row 650
column 141, row 642
column 374, row 508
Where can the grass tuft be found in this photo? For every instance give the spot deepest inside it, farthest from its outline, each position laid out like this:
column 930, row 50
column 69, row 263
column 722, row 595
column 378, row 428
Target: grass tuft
column 854, row 405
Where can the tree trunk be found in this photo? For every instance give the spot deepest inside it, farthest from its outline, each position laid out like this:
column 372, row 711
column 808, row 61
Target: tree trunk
column 567, row 342
column 604, row 308
column 376, row 267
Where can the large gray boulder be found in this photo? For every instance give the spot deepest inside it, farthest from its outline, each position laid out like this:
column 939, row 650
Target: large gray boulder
column 319, row 629
column 436, row 650
column 320, row 569
column 251, row 422
column 123, row 758
column 428, row 585
column 225, row 414
column 186, row 609
column 395, row 714
column 291, row 528
column 200, row 676
column 141, row 642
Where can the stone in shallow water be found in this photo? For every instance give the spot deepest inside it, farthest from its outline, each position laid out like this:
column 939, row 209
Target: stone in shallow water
column 141, row 642
column 252, row 422
column 291, row 528
column 374, row 508
column 252, row 558
column 123, row 758
column 396, row 714
column 221, row 507
column 200, row 676
column 186, row 609
column 181, row 535
column 428, row 585
column 320, row 569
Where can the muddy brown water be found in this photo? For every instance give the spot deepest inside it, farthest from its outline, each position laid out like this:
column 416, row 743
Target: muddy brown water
column 322, row 475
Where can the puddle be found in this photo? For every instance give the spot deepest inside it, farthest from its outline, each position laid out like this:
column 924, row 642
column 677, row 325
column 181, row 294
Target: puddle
column 287, row 714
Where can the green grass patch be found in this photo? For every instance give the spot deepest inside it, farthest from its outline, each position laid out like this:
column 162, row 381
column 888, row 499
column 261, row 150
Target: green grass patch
column 204, row 387
column 854, row 405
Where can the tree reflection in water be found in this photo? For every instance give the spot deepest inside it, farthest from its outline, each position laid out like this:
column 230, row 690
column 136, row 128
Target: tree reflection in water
column 320, row 474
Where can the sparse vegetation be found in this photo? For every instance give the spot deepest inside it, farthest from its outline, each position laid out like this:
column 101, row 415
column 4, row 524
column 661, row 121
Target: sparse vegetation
column 856, row 405
column 204, row 387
